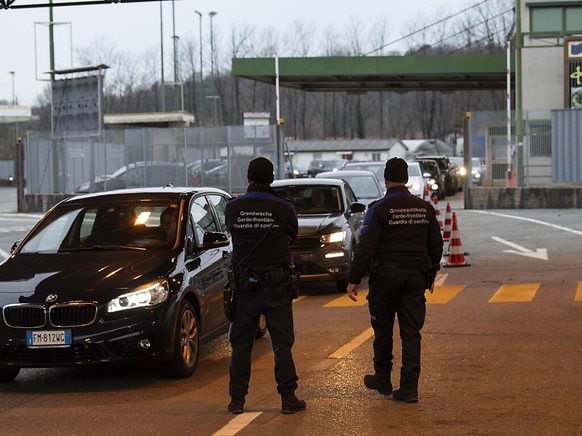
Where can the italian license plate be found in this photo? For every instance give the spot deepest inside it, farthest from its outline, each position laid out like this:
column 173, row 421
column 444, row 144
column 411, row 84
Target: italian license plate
column 48, row 338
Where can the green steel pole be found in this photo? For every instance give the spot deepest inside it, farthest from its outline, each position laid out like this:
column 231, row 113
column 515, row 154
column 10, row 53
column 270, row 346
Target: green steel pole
column 163, row 85
column 175, row 38
column 201, row 109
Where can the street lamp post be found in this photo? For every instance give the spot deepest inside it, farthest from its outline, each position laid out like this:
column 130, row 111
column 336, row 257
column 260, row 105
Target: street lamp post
column 175, row 38
column 213, row 97
column 13, row 95
column 201, row 122
column 212, row 14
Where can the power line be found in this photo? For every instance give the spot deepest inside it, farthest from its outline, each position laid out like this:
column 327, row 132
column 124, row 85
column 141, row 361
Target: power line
column 425, row 27
column 440, row 41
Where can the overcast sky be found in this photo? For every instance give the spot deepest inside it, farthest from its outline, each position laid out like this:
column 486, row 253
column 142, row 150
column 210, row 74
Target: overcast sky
column 136, row 27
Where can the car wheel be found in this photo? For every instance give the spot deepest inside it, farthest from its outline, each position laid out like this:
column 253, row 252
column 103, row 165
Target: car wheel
column 186, row 344
column 262, row 328
column 8, row 374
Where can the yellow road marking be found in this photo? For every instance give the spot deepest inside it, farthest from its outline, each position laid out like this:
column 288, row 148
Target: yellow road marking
column 344, row 300
column 353, row 344
column 524, row 292
column 301, row 297
column 443, row 294
column 578, row 292
column 237, row 424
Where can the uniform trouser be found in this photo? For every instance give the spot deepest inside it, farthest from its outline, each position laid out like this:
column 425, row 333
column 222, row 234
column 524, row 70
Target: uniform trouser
column 403, row 295
column 276, row 305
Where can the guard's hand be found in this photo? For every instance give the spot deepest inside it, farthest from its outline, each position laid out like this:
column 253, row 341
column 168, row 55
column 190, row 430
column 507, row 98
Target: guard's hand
column 431, row 290
column 353, row 291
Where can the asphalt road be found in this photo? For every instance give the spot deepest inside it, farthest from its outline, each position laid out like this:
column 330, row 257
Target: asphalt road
column 501, row 353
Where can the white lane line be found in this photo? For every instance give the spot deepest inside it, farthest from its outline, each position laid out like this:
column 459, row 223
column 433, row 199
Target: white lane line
column 440, row 279
column 531, row 220
column 237, row 424
column 352, row 345
column 4, row 254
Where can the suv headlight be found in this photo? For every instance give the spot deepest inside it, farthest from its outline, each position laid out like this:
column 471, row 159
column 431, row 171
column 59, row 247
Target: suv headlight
column 148, row 295
column 333, row 237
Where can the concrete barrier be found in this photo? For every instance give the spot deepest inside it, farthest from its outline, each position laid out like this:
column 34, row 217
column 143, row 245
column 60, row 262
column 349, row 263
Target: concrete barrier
column 479, row 198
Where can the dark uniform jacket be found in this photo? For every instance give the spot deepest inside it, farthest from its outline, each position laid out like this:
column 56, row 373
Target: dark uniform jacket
column 248, row 218
column 400, row 233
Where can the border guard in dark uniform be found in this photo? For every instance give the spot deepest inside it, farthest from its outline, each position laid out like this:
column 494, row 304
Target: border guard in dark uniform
column 262, row 226
column 401, row 247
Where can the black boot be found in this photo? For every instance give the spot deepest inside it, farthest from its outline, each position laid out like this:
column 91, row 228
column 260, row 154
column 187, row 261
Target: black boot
column 379, row 382
column 236, row 405
column 399, row 395
column 291, row 404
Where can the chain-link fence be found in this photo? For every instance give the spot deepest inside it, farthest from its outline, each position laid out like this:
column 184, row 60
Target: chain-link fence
column 528, row 147
column 127, row 158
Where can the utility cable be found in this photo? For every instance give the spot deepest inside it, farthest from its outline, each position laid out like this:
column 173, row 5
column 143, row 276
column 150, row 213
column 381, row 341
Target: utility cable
column 425, row 27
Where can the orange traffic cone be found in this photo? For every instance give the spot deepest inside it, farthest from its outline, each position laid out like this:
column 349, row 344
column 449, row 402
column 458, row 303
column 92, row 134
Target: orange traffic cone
column 437, row 211
column 426, row 195
column 456, row 254
column 448, row 223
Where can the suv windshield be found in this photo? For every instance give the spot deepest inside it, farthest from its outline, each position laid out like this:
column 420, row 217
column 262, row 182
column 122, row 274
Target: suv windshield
column 313, row 199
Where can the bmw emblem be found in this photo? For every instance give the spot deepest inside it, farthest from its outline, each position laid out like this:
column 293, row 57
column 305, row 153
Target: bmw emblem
column 52, row 298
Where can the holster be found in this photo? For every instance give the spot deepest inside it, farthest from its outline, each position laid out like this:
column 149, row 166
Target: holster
column 253, row 279
column 228, row 296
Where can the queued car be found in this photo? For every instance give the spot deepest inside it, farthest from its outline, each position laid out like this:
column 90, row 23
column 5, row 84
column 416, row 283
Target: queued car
column 330, row 218
column 433, row 177
column 140, row 175
column 317, row 166
column 363, row 183
column 377, row 167
column 449, row 171
column 130, row 276
column 416, row 182
column 461, row 171
column 477, row 170
column 295, row 171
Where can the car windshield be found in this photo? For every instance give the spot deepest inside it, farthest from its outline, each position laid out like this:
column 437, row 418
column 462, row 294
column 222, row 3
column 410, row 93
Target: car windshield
column 363, row 186
column 313, row 199
column 414, row 170
column 128, row 225
column 377, row 169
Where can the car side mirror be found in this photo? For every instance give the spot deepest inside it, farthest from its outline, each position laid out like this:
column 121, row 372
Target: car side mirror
column 214, row 240
column 426, row 175
column 357, row 207
column 14, row 247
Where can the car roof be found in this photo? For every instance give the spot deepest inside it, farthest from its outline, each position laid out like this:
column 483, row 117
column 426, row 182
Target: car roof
column 339, row 173
column 121, row 194
column 308, row 181
column 366, row 163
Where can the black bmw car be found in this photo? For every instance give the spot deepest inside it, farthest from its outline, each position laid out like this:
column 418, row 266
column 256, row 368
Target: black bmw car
column 330, row 218
column 118, row 277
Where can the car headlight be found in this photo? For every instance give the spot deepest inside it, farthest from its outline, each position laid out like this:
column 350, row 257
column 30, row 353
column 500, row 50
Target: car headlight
column 415, row 187
column 333, row 237
column 148, row 295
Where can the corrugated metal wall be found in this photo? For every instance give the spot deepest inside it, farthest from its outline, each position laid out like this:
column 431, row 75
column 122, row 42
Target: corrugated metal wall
column 567, row 146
